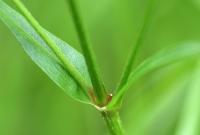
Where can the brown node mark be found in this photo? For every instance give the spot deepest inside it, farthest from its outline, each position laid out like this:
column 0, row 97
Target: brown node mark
column 94, row 99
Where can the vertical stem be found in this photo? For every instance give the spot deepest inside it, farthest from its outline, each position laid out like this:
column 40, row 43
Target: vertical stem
column 99, row 89
column 113, row 122
column 112, row 119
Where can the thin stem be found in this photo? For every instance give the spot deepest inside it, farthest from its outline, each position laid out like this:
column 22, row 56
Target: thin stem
column 139, row 42
column 113, row 122
column 66, row 63
column 99, row 89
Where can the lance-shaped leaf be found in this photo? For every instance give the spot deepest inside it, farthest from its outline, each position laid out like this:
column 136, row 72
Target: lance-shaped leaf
column 162, row 58
column 43, row 55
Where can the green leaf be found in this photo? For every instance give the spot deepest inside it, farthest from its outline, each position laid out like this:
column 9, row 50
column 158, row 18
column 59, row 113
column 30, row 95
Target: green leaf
column 190, row 114
column 44, row 57
column 160, row 59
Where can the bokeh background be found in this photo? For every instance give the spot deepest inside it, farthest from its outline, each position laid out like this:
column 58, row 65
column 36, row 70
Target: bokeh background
column 160, row 103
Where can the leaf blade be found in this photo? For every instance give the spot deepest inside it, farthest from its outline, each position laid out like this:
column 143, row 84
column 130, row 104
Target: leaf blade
column 42, row 55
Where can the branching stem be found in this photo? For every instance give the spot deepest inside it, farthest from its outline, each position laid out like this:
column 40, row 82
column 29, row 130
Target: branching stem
column 112, row 119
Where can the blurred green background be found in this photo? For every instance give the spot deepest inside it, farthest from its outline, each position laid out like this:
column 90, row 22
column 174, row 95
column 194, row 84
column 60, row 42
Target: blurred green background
column 31, row 104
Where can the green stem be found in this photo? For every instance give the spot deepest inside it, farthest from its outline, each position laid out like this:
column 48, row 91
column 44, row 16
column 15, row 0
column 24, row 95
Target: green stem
column 113, row 122
column 66, row 62
column 139, row 41
column 99, row 89
column 112, row 119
